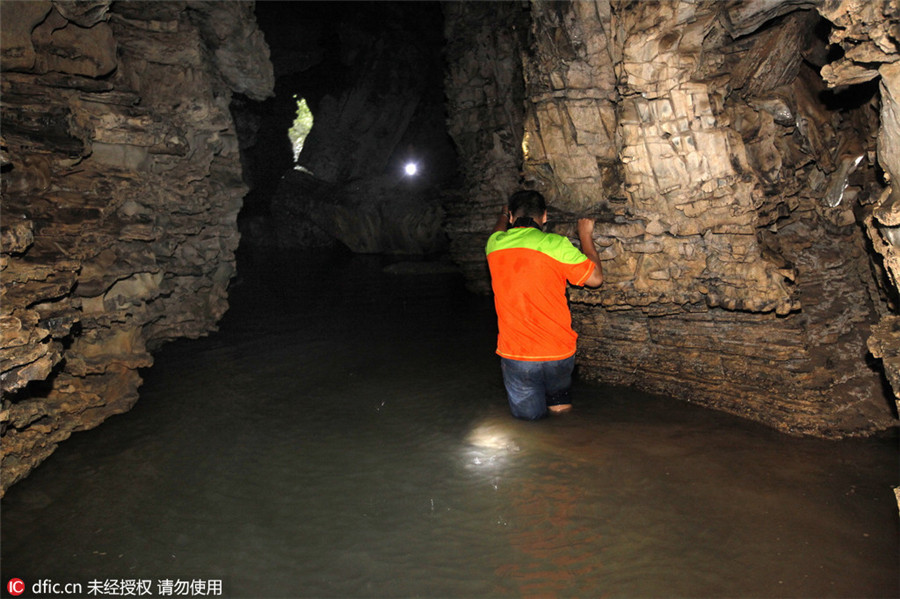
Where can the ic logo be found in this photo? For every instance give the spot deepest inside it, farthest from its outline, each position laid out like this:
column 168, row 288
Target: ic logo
column 15, row 586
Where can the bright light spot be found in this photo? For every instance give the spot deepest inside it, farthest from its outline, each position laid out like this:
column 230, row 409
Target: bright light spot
column 411, row 168
column 489, row 436
column 490, row 444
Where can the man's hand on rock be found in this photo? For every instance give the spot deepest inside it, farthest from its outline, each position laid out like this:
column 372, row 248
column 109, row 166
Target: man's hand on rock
column 585, row 227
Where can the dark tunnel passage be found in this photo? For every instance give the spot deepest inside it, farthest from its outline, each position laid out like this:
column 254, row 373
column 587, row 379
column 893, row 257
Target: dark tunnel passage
column 372, row 75
column 298, row 345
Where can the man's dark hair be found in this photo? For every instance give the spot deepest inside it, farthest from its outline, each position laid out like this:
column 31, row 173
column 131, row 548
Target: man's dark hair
column 527, row 202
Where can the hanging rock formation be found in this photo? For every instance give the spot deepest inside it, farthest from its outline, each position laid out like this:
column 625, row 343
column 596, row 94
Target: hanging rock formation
column 121, row 188
column 731, row 188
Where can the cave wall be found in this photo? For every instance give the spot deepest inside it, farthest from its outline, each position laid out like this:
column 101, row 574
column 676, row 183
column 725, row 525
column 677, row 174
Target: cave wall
column 732, row 189
column 485, row 117
column 121, row 187
column 868, row 34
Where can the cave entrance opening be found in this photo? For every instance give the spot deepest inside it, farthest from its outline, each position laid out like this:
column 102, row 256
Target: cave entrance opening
column 300, row 128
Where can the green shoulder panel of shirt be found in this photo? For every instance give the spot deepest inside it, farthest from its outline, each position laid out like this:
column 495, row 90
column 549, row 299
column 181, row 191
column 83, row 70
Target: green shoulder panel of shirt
column 529, row 238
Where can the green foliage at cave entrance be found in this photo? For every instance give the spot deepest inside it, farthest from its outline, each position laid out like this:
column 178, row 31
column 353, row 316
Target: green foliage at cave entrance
column 303, row 124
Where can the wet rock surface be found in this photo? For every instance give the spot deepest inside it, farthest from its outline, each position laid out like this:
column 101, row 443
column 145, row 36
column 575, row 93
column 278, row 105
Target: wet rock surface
column 121, row 187
column 736, row 193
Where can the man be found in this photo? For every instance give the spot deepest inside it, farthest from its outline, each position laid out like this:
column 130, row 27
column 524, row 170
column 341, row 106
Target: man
column 529, row 270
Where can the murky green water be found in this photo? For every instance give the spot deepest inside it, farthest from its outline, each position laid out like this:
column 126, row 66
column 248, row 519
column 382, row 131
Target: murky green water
column 345, row 434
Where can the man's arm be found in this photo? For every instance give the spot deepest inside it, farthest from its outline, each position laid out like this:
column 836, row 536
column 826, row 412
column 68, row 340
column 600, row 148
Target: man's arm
column 502, row 220
column 586, row 237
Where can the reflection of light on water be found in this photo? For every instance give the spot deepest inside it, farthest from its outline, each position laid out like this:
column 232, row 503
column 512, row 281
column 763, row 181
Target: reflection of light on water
column 489, row 444
column 489, row 435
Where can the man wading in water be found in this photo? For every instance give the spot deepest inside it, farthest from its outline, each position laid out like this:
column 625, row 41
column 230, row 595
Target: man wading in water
column 529, row 271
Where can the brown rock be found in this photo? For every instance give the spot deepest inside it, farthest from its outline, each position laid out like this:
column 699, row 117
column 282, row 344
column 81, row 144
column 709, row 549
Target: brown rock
column 19, row 18
column 735, row 273
column 119, row 204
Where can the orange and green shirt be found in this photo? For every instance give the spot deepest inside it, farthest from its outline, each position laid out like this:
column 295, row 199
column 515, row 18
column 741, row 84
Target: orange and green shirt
column 529, row 271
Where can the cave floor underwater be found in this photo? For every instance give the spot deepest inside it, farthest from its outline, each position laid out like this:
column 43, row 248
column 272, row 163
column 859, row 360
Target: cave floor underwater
column 345, row 434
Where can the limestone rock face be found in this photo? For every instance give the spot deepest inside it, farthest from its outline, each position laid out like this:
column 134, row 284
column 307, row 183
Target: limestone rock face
column 869, row 34
column 485, row 94
column 730, row 198
column 121, row 187
column 570, row 130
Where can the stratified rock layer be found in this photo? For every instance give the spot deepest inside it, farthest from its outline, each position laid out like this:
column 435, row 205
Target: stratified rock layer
column 730, row 187
column 485, row 95
column 869, row 34
column 121, row 187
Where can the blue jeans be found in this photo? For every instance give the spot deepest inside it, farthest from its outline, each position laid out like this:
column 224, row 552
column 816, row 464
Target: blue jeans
column 532, row 386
